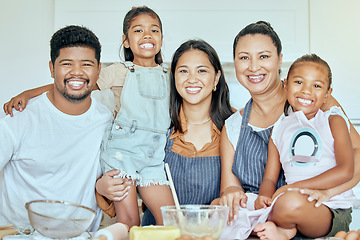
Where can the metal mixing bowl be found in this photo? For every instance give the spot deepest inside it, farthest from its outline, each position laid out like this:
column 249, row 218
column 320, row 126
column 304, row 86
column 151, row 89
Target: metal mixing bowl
column 196, row 220
column 59, row 219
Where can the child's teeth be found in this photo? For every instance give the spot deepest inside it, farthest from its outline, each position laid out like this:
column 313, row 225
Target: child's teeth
column 147, row 45
column 304, row 101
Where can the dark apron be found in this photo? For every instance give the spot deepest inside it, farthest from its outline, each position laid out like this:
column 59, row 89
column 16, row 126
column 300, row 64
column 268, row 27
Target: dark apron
column 196, row 179
column 251, row 155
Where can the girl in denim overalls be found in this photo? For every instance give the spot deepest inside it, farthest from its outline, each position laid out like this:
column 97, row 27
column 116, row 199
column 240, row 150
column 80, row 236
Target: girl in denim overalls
column 135, row 141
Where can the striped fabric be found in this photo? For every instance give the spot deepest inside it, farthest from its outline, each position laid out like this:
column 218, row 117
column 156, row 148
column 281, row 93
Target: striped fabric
column 196, row 179
column 251, row 155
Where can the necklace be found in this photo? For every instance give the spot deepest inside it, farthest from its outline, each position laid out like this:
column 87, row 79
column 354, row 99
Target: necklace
column 200, row 123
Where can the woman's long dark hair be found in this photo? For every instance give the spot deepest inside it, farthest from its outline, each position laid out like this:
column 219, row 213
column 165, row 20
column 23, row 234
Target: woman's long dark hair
column 220, row 108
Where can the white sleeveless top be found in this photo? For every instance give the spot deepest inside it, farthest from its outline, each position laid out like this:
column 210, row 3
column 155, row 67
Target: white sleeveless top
column 306, row 149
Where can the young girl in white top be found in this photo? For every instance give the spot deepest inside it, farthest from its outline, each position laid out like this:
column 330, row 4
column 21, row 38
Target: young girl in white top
column 133, row 145
column 311, row 146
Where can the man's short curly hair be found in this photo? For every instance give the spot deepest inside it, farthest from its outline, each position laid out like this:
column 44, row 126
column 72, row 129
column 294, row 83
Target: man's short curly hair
column 74, row 36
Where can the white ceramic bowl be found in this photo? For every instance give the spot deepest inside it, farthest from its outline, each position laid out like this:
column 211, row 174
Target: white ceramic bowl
column 197, row 220
column 59, row 219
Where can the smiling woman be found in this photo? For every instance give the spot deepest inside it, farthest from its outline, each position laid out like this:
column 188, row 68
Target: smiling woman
column 244, row 143
column 257, row 58
column 195, row 79
column 199, row 105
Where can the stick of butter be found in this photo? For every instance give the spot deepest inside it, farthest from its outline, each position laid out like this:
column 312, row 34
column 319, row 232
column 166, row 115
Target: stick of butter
column 7, row 232
column 154, row 232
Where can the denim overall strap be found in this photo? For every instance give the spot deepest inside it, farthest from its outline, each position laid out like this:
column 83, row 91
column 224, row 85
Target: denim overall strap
column 169, row 142
column 251, row 154
column 165, row 67
column 129, row 65
column 145, row 99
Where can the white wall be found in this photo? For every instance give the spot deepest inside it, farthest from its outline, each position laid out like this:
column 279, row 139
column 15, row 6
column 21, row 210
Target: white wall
column 26, row 27
column 188, row 19
column 335, row 36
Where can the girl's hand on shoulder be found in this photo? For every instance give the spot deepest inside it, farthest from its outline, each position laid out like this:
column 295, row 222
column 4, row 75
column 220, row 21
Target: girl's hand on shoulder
column 262, row 202
column 319, row 196
column 114, row 189
column 233, row 197
column 18, row 102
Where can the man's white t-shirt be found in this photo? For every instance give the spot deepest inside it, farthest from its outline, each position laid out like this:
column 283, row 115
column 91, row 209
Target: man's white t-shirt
column 47, row 154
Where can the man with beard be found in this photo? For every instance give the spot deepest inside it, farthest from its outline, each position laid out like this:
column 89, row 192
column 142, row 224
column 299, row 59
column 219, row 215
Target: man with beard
column 51, row 149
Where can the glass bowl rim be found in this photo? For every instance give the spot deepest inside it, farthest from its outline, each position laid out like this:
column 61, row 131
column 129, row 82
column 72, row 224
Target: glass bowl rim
column 28, row 208
column 197, row 208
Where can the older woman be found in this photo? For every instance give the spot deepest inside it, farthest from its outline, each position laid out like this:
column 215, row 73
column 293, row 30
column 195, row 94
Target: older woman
column 245, row 137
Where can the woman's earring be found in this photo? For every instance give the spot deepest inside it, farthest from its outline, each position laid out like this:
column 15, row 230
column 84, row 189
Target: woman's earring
column 214, row 89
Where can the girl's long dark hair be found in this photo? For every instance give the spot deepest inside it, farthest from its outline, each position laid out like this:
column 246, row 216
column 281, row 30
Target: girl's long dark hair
column 307, row 58
column 220, row 108
column 133, row 13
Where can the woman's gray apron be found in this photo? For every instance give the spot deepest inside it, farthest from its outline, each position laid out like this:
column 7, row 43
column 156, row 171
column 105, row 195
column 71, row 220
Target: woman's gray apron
column 196, row 179
column 251, row 155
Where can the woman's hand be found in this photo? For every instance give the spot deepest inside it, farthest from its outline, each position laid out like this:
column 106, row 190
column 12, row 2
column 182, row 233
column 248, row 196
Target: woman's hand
column 18, row 102
column 114, row 189
column 233, row 197
column 262, row 202
column 319, row 196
